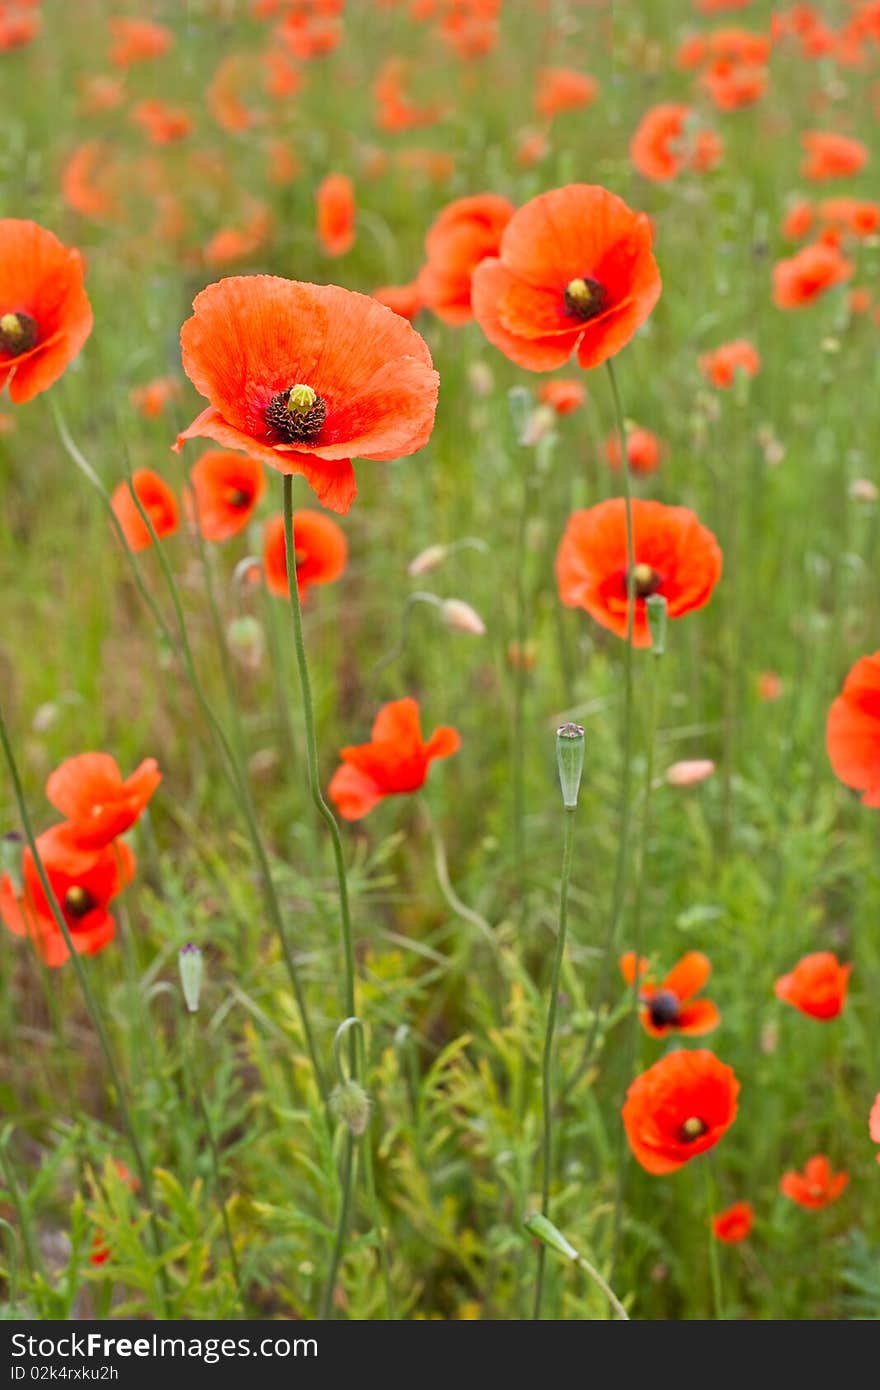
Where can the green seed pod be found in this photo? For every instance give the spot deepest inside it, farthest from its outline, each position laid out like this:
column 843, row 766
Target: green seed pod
column 192, row 968
column 570, row 761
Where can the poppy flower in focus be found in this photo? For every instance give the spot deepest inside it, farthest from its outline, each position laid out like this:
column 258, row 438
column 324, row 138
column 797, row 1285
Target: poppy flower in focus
column 721, row 365
column 852, row 732
column 151, row 399
column 321, row 552
column 674, row 556
column 679, row 1108
column 809, row 273
column 137, row 41
column 816, row 1186
column 83, row 890
column 336, row 214
column 830, row 156
column 817, row 986
column 734, row 1223
column 99, row 805
column 395, row 761
column 667, row 1007
column 464, row 234
column 157, row 500
column 668, row 142
column 405, row 300
column 563, row 395
column 574, row 273
column 563, row 89
column 303, row 377
column 226, row 488
column 45, row 315
column 642, row 450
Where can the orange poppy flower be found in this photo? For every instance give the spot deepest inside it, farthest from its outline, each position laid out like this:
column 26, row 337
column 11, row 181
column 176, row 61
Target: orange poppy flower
column 531, row 147
column 852, row 733
column 101, row 93
column 679, row 1108
column 303, row 377
column 395, row 761
column 642, row 450
column 234, row 243
column 667, row 141
column 817, row 986
column 464, row 234
column 309, row 36
column 563, row 89
column 734, row 1223
column 674, row 556
column 321, row 552
column 89, row 790
column 137, row 40
column 405, row 300
column 809, row 273
column 161, row 123
column 769, row 686
column 798, row 220
column 45, row 315
column 831, row 156
column 721, row 365
column 563, row 395
column 157, row 500
column 816, row 1186
column 18, row 27
column 667, row 1006
column 856, row 216
column 226, row 488
column 153, row 398
column 874, row 1122
column 86, row 183
column 83, row 890
column 336, row 214
column 733, row 85
column 574, row 273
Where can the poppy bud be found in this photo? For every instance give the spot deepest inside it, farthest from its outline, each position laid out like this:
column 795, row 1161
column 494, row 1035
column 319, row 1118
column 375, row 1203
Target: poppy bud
column 570, row 761
column 426, row 560
column 655, row 605
column 460, row 616
column 191, row 967
column 350, row 1103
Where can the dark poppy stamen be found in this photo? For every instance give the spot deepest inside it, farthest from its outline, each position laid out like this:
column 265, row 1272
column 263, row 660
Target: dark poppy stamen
column 78, row 901
column 693, row 1128
column 584, row 298
column 647, row 580
column 18, row 333
column 297, row 414
column 238, row 497
column 663, row 1008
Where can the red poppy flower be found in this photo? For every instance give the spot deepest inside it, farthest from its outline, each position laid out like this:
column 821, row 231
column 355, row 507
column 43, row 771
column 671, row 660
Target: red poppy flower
column 157, row 500
column 395, row 761
column 152, row 399
column 83, row 890
column 852, row 733
column 733, row 85
column 642, row 450
column 563, row 89
column 857, row 216
column 137, row 40
column 574, row 273
column 563, row 395
column 336, row 214
column 674, row 556
column 161, row 123
column 321, row 552
column 45, row 316
column 721, row 365
column 459, row 239
column 678, row 1109
column 405, row 300
column 226, row 489
column 817, row 985
column 874, row 1122
column 234, row 243
column 831, row 156
column 89, row 790
column 816, row 1186
column 667, row 141
column 305, row 376
column 813, row 270
column 667, row 1006
column 798, row 220
column 734, row 1223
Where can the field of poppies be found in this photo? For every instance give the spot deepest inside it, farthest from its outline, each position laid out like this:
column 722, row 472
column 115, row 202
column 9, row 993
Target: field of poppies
column 485, row 925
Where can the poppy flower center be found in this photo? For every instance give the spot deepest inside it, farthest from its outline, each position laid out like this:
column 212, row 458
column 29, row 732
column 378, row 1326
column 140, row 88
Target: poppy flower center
column 78, row 901
column 18, row 333
column 663, row 1007
column 584, row 298
column 647, row 580
column 297, row 414
column 693, row 1128
column 237, row 497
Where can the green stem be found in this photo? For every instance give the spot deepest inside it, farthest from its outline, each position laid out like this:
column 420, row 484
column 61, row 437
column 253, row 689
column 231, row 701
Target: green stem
column 519, row 682
column 547, row 1061
column 341, row 1226
column 90, row 1002
column 442, row 870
